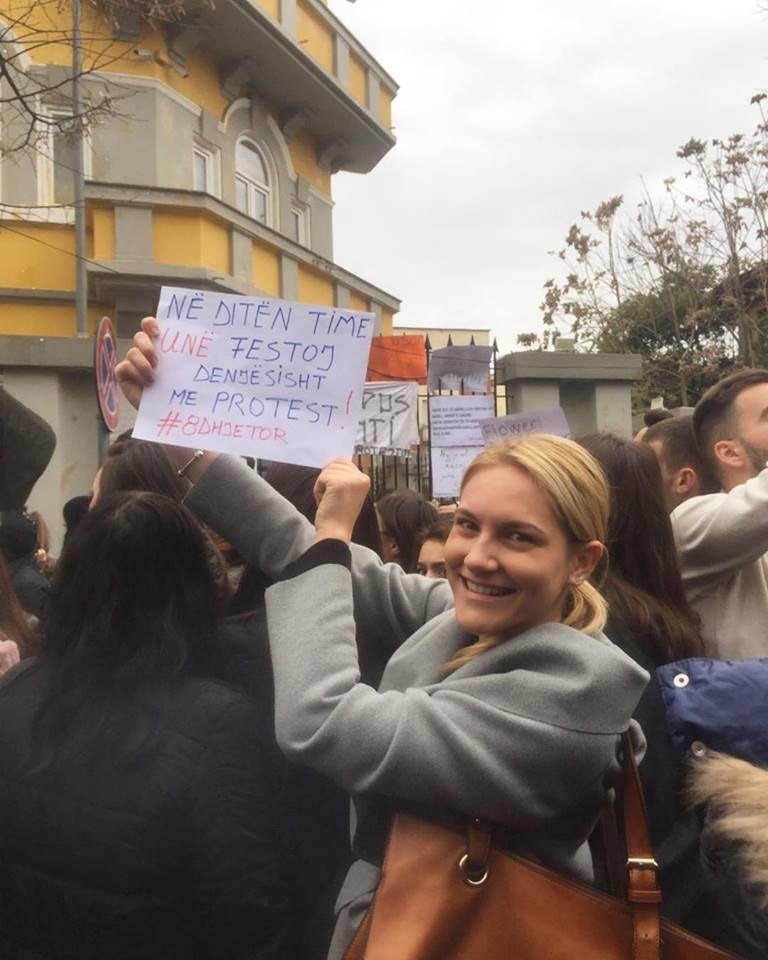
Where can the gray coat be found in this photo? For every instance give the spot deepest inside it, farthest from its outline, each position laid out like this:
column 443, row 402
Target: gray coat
column 524, row 735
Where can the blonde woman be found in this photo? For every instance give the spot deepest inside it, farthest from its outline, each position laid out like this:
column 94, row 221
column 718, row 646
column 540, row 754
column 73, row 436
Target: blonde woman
column 502, row 699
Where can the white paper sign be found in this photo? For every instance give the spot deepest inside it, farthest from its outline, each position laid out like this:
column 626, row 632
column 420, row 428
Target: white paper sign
column 448, row 466
column 455, row 421
column 519, row 424
column 263, row 378
column 388, row 420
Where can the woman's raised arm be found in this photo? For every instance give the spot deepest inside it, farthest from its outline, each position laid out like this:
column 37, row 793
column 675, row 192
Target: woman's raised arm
column 269, row 532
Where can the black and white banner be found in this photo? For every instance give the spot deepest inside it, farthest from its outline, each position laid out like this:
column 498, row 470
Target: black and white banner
column 388, row 420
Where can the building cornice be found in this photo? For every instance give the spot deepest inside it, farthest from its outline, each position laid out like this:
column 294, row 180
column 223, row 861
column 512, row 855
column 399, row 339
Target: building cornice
column 129, row 195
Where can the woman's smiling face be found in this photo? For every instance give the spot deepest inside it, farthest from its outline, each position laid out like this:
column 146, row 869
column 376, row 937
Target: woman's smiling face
column 508, row 558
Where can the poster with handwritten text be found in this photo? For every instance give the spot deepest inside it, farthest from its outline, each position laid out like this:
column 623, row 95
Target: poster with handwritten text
column 448, row 466
column 257, row 377
column 515, row 425
column 389, row 418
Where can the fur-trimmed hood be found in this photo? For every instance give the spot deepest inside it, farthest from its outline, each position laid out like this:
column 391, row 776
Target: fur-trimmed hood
column 735, row 794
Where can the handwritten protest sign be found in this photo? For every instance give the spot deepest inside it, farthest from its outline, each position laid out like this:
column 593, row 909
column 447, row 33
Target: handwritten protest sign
column 388, row 422
column 455, row 421
column 518, row 424
column 264, row 378
column 448, row 466
column 456, row 438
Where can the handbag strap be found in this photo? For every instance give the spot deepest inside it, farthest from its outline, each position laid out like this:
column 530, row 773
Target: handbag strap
column 643, row 891
column 610, row 852
column 474, row 864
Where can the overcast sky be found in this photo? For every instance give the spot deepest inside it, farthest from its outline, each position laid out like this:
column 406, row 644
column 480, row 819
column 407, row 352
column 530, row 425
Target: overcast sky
column 511, row 118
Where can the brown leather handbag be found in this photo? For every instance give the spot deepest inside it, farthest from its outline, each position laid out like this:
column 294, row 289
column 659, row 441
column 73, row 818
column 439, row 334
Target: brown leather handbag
column 448, row 896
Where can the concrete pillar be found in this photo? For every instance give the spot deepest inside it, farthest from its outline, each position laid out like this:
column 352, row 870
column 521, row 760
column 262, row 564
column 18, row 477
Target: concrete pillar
column 242, row 256
column 613, row 406
column 288, row 17
column 374, row 94
column 524, row 395
column 376, row 310
column 133, row 233
column 342, row 295
column 289, row 284
column 341, row 61
column 577, row 398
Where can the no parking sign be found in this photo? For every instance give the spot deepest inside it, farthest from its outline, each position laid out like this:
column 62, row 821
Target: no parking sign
column 104, row 363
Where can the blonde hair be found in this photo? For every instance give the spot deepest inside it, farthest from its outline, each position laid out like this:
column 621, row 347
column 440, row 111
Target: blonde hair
column 575, row 485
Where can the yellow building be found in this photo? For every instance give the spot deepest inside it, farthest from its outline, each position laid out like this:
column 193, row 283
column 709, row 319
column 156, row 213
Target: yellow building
column 212, row 168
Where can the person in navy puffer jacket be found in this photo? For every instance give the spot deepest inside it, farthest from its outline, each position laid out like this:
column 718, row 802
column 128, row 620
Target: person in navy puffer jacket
column 715, row 713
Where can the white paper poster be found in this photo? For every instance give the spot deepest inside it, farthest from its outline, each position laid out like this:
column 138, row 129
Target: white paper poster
column 257, row 377
column 456, row 438
column 448, row 466
column 455, row 421
column 519, row 424
column 388, row 419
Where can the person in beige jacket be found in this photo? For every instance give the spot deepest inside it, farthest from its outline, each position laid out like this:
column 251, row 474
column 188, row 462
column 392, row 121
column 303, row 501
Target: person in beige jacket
column 722, row 538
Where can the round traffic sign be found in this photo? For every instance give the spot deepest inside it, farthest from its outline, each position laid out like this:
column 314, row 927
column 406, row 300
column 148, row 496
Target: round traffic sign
column 104, row 362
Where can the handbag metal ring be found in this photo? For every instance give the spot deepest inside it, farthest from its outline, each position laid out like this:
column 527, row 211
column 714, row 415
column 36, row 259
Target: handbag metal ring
column 473, row 881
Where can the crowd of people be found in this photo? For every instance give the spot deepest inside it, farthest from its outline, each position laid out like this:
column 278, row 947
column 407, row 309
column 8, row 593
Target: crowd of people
column 218, row 664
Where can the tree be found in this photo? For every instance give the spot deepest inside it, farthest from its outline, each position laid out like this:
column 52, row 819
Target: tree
column 34, row 29
column 684, row 281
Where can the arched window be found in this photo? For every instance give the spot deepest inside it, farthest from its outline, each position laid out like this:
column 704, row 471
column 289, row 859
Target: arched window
column 251, row 181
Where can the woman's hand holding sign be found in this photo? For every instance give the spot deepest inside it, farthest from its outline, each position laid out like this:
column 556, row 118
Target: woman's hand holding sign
column 138, row 369
column 135, row 373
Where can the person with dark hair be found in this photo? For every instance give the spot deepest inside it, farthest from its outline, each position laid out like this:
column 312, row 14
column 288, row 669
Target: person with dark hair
column 722, row 538
column 431, row 548
column 683, row 472
column 656, row 415
column 133, row 464
column 313, row 820
column 650, row 418
column 403, row 514
column 297, row 485
column 73, row 512
column 18, row 543
column 642, row 580
column 651, row 621
column 152, row 831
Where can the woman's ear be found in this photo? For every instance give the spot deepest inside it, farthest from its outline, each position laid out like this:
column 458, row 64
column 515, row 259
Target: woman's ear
column 586, row 558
